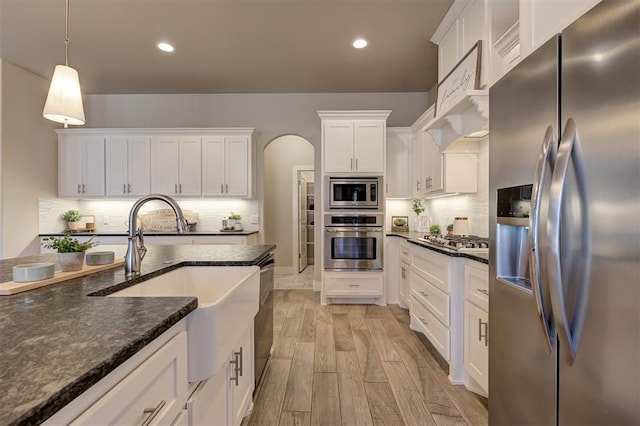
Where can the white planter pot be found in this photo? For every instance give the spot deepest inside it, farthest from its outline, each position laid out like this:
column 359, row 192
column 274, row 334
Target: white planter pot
column 71, row 261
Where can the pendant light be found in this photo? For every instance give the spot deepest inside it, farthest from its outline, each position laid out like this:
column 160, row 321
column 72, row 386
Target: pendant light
column 64, row 101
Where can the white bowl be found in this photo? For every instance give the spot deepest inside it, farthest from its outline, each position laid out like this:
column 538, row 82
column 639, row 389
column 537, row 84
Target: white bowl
column 33, row 272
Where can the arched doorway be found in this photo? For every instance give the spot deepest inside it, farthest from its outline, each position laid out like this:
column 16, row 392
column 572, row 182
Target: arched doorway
column 285, row 157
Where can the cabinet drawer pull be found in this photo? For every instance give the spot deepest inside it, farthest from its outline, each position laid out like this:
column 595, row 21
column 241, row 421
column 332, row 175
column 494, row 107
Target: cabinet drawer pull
column 78, row 188
column 128, row 188
column 241, row 361
column 153, row 412
column 236, row 368
column 354, row 285
column 180, row 188
column 226, row 187
column 83, row 188
column 425, row 294
column 124, row 188
column 351, row 166
column 486, row 332
column 424, row 321
column 175, row 188
column 356, row 164
column 483, row 291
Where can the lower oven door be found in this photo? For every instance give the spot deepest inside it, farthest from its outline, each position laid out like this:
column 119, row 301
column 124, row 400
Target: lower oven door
column 353, row 248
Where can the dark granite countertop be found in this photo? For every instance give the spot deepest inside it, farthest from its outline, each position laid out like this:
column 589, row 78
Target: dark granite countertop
column 57, row 341
column 412, row 237
column 150, row 233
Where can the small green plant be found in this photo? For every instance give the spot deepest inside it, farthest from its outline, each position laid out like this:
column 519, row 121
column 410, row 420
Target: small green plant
column 417, row 206
column 235, row 216
column 67, row 244
column 450, row 227
column 72, row 216
column 434, row 229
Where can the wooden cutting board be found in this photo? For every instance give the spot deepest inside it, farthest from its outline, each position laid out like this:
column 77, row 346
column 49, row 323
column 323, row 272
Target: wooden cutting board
column 11, row 287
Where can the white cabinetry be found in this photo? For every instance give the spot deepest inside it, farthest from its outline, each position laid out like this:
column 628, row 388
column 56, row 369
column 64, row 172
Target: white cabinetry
column 80, row 165
column 353, row 141
column 176, row 165
column 460, row 29
column 435, row 305
column 128, row 165
column 405, row 271
column 476, row 327
column 398, row 176
column 354, row 284
column 227, row 165
column 225, row 398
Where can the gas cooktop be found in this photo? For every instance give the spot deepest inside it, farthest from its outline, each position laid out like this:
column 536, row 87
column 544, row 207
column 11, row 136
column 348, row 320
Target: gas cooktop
column 461, row 243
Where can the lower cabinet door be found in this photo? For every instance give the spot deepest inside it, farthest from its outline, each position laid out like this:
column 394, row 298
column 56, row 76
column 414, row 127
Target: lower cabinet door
column 476, row 348
column 208, row 404
column 241, row 382
column 153, row 392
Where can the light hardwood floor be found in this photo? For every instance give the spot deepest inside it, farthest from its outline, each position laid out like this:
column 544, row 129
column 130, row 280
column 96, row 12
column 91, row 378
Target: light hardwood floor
column 354, row 365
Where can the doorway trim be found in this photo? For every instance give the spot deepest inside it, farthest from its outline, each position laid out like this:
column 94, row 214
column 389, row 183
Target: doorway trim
column 296, row 211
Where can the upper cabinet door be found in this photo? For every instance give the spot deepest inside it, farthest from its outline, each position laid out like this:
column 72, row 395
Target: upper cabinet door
column 165, row 165
column 190, row 182
column 369, row 137
column 116, row 161
column 237, row 165
column 70, row 159
column 338, row 146
column 81, row 166
column 139, row 166
column 213, row 165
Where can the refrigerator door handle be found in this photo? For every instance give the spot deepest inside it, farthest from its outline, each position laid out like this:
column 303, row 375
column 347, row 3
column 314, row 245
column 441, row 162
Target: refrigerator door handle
column 569, row 151
column 546, row 159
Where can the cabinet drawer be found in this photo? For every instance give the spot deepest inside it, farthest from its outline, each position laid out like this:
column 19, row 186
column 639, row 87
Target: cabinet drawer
column 476, row 286
column 356, row 284
column 159, row 383
column 432, row 267
column 431, row 298
column 437, row 333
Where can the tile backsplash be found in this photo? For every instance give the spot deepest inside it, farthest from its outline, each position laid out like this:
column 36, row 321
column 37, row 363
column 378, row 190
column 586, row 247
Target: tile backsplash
column 113, row 215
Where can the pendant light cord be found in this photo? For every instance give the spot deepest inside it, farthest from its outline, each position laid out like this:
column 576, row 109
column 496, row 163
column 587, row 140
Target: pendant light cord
column 66, row 35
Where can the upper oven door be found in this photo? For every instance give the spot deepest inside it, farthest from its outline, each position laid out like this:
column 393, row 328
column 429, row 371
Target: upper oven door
column 353, row 193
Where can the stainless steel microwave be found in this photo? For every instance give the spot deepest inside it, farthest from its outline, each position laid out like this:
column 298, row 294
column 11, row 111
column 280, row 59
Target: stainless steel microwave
column 354, row 193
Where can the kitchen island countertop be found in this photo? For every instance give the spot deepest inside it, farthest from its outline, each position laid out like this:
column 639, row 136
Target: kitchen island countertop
column 59, row 340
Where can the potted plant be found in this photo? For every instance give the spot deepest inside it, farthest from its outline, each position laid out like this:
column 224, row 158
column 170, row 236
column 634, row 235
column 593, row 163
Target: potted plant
column 236, row 218
column 71, row 252
column 73, row 219
column 434, row 229
column 450, row 229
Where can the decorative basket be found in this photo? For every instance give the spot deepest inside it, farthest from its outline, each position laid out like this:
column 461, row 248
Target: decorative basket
column 165, row 220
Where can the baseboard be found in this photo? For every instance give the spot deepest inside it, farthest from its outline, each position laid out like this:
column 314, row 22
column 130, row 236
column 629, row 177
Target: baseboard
column 284, row 270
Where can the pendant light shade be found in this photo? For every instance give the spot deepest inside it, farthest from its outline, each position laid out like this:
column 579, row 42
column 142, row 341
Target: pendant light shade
column 64, row 101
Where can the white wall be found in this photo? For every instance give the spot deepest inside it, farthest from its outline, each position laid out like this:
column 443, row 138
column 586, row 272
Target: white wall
column 280, row 156
column 29, row 159
column 475, row 206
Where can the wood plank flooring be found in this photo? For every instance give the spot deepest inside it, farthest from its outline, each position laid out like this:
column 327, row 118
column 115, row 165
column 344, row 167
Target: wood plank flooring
column 354, row 365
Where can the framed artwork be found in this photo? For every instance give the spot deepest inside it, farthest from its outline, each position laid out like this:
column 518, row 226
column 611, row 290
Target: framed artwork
column 399, row 223
column 463, row 77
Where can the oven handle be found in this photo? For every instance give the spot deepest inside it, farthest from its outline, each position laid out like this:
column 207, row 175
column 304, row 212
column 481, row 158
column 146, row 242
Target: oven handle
column 360, row 230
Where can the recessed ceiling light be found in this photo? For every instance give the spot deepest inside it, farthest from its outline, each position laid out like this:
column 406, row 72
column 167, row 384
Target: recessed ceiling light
column 360, row 43
column 165, row 47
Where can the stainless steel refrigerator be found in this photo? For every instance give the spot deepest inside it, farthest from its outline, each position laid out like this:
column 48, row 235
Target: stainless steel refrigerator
column 565, row 228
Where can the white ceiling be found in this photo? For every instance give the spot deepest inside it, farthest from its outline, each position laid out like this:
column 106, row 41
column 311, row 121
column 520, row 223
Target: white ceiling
column 229, row 46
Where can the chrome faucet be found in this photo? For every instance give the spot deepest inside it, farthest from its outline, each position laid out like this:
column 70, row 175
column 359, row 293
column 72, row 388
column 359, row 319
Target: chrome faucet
column 135, row 251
